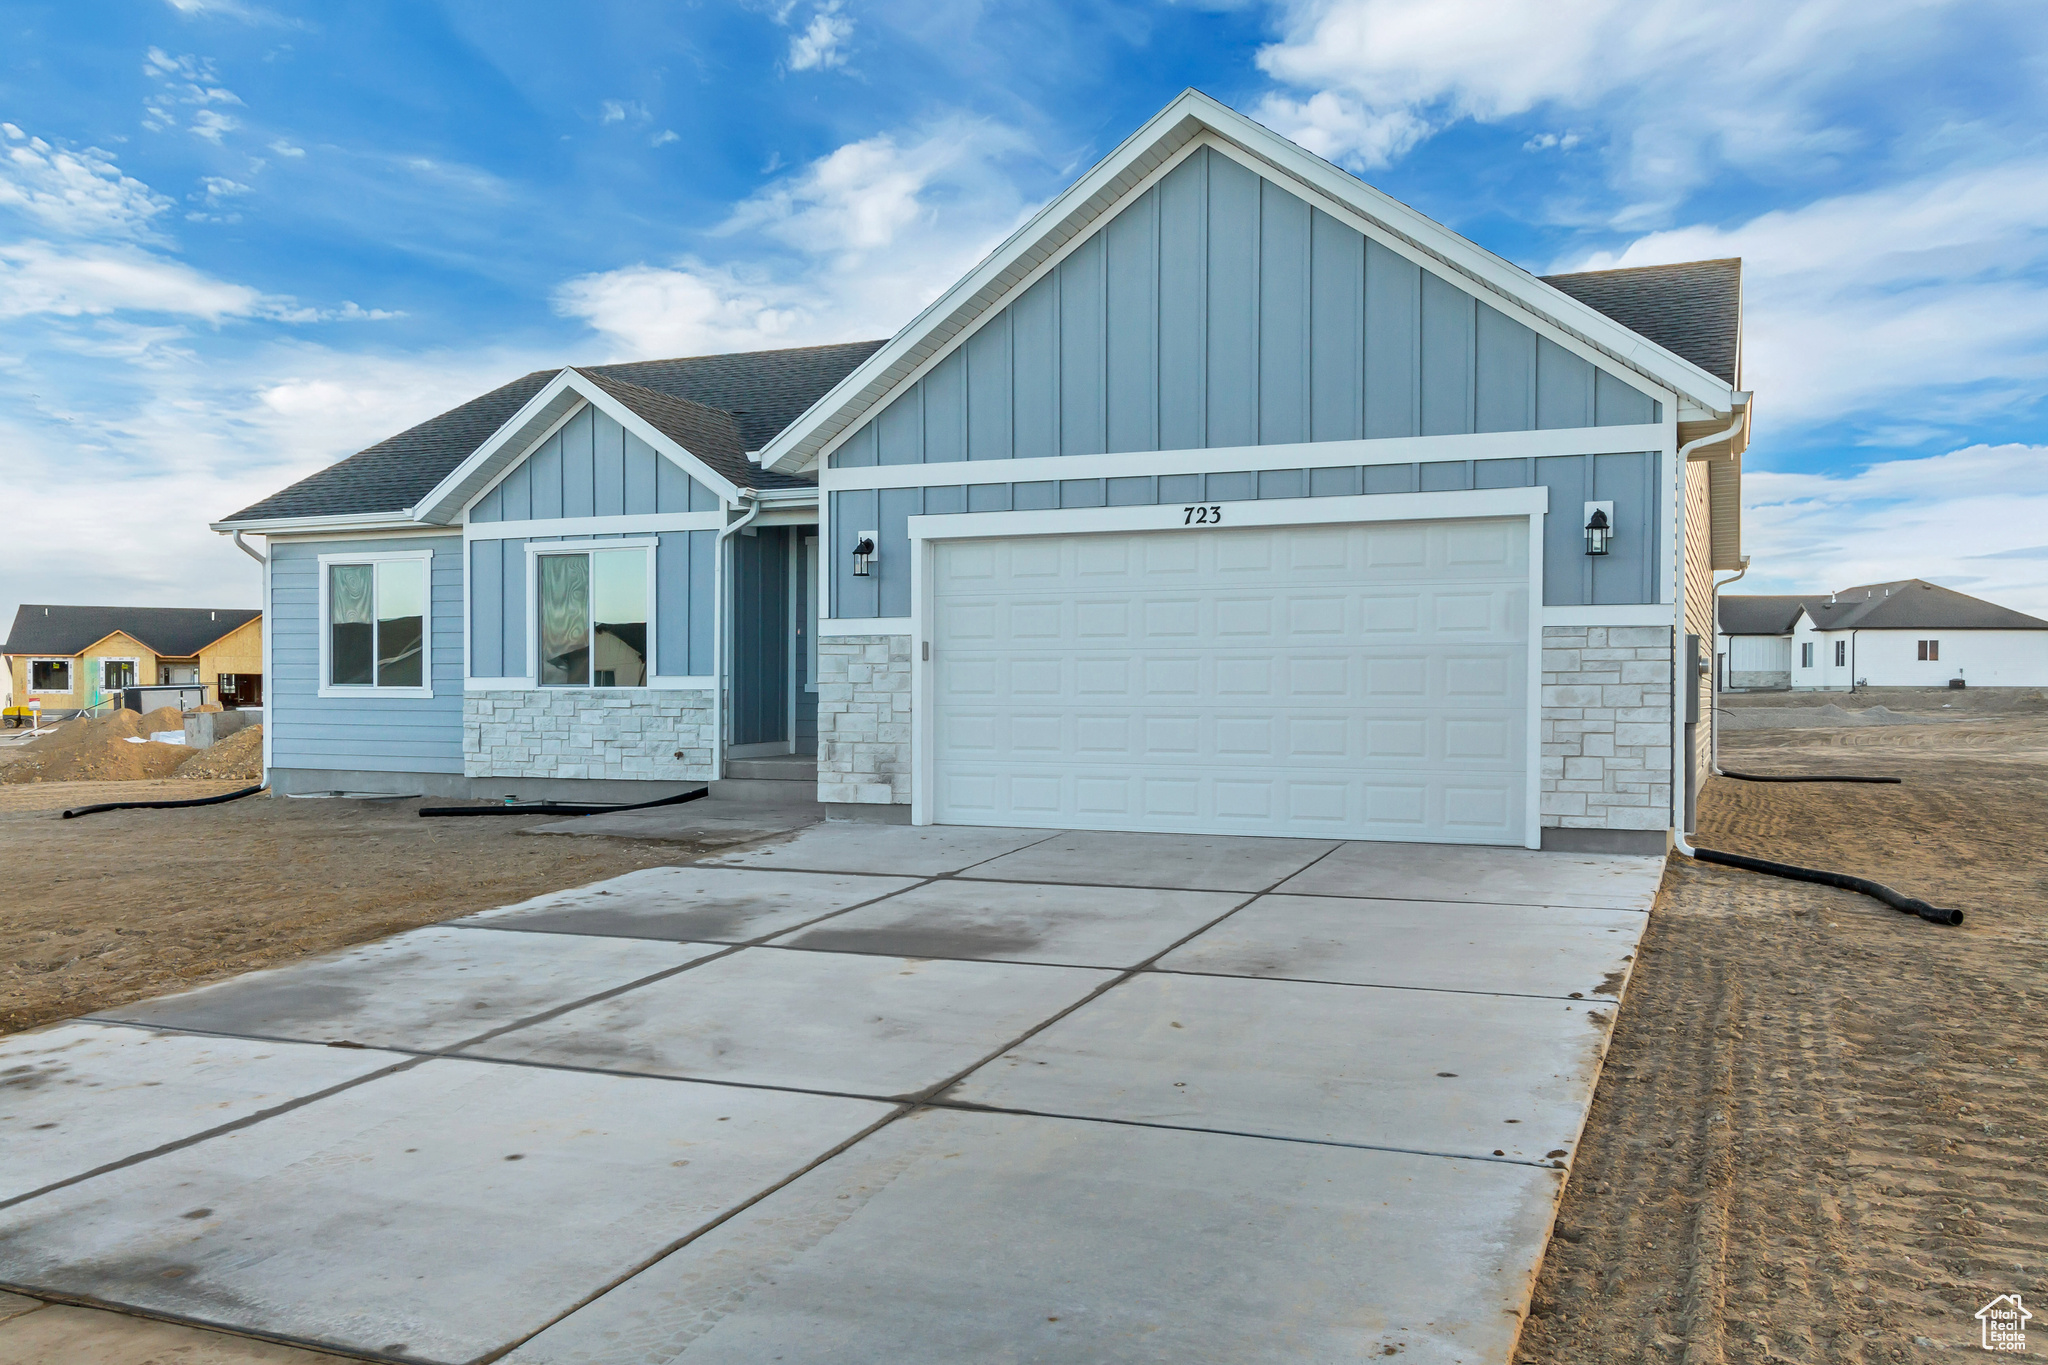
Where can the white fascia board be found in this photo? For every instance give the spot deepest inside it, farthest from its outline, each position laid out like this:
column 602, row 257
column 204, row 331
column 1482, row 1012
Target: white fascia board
column 352, row 521
column 1367, row 507
column 1490, row 445
column 534, row 423
column 1181, row 122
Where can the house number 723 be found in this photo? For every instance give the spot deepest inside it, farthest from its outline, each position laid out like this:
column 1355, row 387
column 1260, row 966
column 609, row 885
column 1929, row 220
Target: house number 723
column 1202, row 516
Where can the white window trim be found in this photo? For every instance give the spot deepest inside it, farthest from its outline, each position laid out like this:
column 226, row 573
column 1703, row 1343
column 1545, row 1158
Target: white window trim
column 1530, row 504
column 424, row 558
column 70, row 663
column 531, row 682
column 134, row 661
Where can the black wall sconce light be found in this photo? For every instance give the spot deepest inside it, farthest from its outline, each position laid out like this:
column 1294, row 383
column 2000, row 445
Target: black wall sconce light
column 863, row 554
column 1599, row 527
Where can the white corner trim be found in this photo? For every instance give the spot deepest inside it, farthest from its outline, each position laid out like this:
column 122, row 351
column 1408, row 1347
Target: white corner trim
column 833, row 628
column 1455, row 505
column 649, row 523
column 326, row 689
column 1648, row 438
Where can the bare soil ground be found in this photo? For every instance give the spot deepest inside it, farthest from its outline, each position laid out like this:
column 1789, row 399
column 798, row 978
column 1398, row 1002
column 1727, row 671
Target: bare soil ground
column 1820, row 1134
column 115, row 907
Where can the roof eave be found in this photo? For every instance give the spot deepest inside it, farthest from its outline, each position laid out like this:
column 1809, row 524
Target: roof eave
column 342, row 521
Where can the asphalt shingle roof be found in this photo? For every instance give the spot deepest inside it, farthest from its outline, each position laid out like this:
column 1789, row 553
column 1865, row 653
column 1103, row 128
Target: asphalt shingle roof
column 1693, row 310
column 1758, row 615
column 732, row 403
column 1913, row 604
column 174, row 632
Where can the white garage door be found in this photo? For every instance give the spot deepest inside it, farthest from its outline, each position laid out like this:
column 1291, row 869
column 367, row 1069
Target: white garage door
column 1363, row 681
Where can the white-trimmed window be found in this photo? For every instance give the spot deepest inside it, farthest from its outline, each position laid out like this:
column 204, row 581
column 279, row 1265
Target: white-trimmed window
column 593, row 608
column 1806, row 654
column 116, row 674
column 376, row 624
column 49, row 675
column 1841, row 653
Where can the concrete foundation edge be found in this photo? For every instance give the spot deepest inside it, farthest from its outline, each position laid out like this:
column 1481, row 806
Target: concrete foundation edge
column 869, row 814
column 1654, row 843
column 454, row 786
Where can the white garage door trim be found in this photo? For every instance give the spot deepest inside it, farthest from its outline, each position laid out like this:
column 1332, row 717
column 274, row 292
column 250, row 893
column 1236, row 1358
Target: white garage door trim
column 1530, row 503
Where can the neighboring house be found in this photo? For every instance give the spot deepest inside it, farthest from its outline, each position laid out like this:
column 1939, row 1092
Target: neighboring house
column 1907, row 633
column 71, row 658
column 1227, row 495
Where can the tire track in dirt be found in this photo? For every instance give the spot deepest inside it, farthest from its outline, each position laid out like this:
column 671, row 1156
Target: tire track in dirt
column 1882, row 1170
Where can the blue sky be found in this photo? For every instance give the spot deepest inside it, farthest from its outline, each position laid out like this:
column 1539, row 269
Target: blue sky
column 239, row 241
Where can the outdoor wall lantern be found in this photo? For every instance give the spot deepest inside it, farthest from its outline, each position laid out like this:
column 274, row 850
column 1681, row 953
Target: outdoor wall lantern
column 1599, row 527
column 863, row 554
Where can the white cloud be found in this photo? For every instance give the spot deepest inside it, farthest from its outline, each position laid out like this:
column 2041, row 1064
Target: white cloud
column 874, row 230
column 1678, row 85
column 187, row 84
column 664, row 137
column 618, row 111
column 1970, row 519
column 1924, row 302
column 80, row 193
column 229, row 9
column 283, row 148
column 820, row 46
column 37, row 277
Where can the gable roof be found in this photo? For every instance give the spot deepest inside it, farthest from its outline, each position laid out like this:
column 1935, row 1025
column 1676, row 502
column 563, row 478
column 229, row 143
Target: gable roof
column 1756, row 614
column 732, row 403
column 174, row 632
column 1086, row 205
column 1692, row 309
column 1912, row 604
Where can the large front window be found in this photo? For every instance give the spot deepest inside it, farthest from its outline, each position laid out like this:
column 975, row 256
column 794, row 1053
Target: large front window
column 376, row 623
column 593, row 618
column 49, row 675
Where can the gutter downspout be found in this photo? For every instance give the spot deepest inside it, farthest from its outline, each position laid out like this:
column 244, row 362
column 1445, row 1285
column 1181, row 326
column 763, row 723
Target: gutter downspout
column 1714, row 690
column 1678, row 795
column 264, row 656
column 245, row 548
column 720, row 625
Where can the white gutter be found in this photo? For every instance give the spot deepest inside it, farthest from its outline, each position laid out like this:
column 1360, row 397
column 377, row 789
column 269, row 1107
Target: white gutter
column 1713, row 689
column 722, row 585
column 244, row 547
column 1678, row 792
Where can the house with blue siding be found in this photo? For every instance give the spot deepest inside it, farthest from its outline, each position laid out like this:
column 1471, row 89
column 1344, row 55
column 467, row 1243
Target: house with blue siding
column 1229, row 495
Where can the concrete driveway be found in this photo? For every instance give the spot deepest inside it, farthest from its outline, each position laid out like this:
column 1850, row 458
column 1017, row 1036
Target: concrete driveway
column 870, row 1094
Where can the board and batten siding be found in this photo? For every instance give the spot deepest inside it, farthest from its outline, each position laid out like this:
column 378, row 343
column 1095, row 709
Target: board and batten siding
column 592, row 467
column 362, row 734
column 683, row 604
column 1219, row 309
column 1571, row 577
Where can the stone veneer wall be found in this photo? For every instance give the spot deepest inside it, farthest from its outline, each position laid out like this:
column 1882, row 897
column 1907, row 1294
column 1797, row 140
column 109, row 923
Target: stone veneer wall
column 557, row 732
column 1607, row 727
column 864, row 719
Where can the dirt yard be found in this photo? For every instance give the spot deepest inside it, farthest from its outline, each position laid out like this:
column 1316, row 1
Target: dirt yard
column 113, row 907
column 1820, row 1134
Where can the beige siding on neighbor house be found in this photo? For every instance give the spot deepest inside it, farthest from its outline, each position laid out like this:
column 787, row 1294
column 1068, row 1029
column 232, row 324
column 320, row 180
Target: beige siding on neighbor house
column 85, row 672
column 239, row 651
column 1699, row 605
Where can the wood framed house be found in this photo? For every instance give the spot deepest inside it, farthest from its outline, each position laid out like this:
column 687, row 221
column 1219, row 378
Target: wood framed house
column 1228, row 495
column 72, row 658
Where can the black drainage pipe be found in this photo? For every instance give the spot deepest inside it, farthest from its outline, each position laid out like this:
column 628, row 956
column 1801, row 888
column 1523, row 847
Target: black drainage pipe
column 560, row 807
column 74, row 813
column 1907, row 904
column 1802, row 777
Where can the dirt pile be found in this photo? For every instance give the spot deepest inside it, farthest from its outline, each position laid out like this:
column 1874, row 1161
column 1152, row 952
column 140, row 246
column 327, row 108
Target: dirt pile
column 98, row 749
column 240, row 755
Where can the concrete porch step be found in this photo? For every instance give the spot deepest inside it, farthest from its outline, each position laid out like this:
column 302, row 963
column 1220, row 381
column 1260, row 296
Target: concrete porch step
column 778, row 767
column 766, row 790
